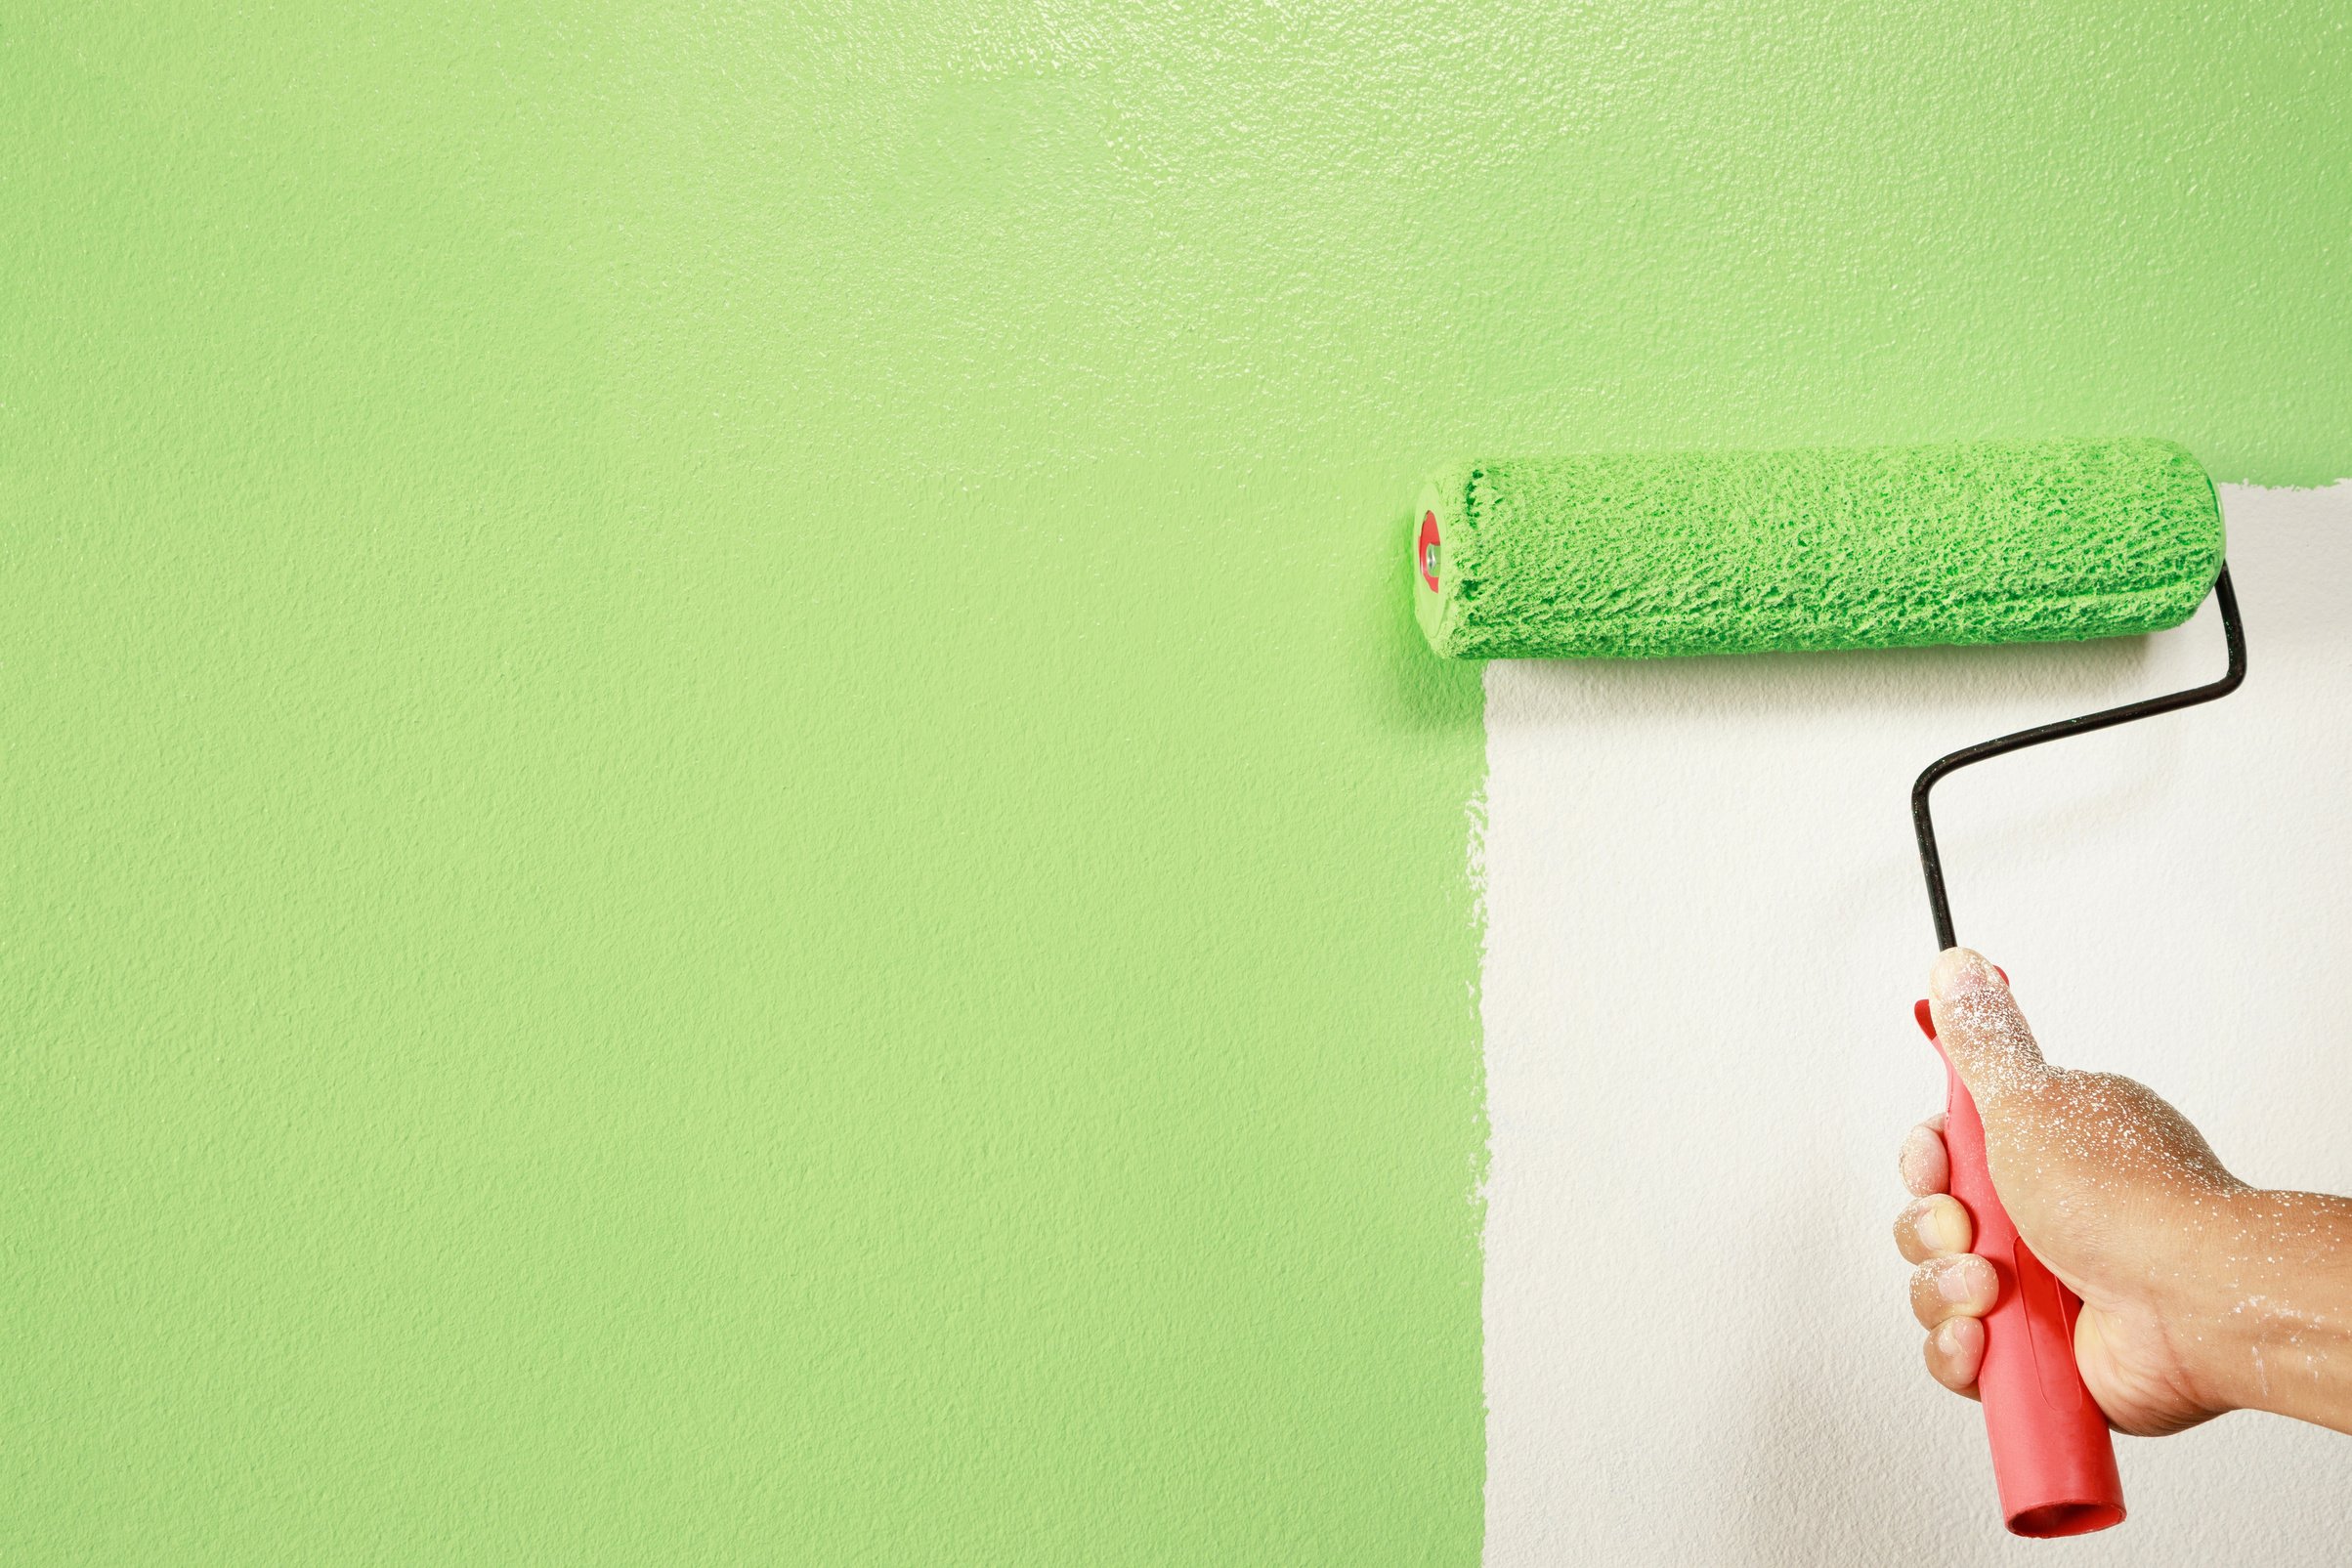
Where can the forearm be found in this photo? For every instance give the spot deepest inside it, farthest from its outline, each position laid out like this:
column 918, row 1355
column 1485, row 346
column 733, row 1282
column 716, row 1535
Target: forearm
column 2277, row 1307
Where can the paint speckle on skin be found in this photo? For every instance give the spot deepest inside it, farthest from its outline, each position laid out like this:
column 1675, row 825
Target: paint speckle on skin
column 2188, row 1291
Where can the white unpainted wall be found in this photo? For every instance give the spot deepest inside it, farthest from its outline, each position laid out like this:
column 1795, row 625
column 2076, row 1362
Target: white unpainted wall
column 1706, row 928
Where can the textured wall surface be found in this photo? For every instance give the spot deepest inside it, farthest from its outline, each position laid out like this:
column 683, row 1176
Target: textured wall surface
column 1700, row 1057
column 724, row 837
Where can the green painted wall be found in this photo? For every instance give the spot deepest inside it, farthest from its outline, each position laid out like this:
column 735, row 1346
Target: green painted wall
column 723, row 838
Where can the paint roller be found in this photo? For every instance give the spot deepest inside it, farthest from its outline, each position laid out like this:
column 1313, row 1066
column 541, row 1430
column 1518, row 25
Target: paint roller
column 1663, row 554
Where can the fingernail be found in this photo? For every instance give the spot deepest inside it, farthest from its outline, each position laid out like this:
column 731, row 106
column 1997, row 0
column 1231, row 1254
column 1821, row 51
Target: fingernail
column 1948, row 1337
column 1940, row 1227
column 1962, row 973
column 1956, row 1282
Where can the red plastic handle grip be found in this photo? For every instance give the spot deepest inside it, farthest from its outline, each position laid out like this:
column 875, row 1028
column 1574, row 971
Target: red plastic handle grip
column 2052, row 1457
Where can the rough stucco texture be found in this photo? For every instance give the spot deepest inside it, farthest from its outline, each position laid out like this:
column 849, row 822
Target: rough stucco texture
column 724, row 836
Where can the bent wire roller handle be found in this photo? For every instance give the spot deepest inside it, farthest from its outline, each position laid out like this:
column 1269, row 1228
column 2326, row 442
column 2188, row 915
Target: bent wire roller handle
column 2052, row 1457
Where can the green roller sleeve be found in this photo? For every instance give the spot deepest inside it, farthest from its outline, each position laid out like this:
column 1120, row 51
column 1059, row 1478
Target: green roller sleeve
column 1648, row 555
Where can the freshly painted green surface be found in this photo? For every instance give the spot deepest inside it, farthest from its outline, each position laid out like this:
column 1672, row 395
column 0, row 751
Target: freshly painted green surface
column 724, row 836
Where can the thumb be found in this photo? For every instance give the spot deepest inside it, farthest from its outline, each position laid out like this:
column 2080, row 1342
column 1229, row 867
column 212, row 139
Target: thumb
column 1983, row 1033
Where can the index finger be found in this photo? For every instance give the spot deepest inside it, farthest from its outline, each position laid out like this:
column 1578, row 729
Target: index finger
column 1926, row 1168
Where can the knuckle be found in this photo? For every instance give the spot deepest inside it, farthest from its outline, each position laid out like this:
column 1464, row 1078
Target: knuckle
column 1927, row 1301
column 1954, row 1285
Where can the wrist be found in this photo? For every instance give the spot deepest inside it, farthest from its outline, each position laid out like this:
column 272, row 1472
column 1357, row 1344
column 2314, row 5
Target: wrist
column 2266, row 1321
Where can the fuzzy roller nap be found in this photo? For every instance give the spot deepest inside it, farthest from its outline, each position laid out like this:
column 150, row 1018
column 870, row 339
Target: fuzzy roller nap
column 1647, row 554
column 1643, row 554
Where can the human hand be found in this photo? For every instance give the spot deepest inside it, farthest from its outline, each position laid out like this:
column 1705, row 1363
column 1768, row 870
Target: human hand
column 2200, row 1293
